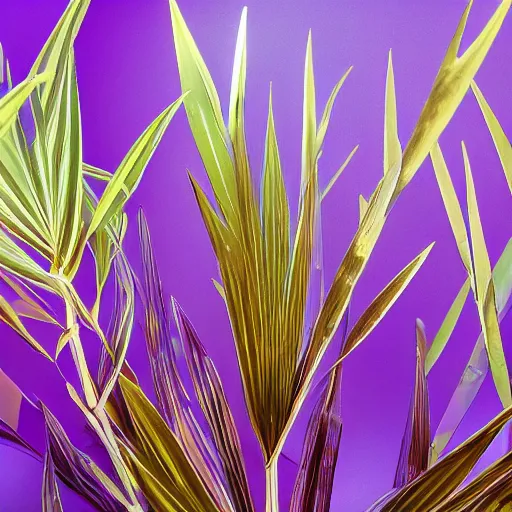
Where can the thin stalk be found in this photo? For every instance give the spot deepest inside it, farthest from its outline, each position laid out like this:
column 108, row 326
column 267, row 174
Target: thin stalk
column 101, row 424
column 272, row 484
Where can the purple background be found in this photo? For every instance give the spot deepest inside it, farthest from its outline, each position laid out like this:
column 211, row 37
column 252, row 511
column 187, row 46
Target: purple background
column 127, row 74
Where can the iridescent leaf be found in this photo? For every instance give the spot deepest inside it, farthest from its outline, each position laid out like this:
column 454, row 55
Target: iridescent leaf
column 172, row 399
column 437, row 483
column 315, row 478
column 414, row 452
column 76, row 470
column 212, row 399
column 51, row 501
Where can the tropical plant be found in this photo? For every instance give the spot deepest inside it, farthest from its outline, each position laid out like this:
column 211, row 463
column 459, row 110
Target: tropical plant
column 171, row 455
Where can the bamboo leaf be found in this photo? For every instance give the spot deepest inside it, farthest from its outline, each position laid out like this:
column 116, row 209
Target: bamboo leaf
column 414, row 452
column 450, row 86
column 11, row 103
column 9, row 316
column 447, row 327
column 485, row 295
column 309, row 133
column 478, row 365
column 392, row 147
column 129, row 172
column 382, row 303
column 498, row 135
column 363, row 208
column 334, row 179
column 326, row 116
column 453, row 208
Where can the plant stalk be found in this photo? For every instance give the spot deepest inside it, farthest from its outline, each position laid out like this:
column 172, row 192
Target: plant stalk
column 272, row 487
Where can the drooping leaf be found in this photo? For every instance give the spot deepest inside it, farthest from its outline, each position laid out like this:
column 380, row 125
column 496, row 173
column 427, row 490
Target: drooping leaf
column 414, row 452
column 77, row 471
column 9, row 316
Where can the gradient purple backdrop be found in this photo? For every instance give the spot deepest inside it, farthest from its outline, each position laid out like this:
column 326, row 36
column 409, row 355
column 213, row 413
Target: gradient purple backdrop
column 127, row 74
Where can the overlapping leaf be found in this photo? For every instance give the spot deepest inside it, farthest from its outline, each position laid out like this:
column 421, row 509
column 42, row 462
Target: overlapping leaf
column 437, row 483
column 477, row 265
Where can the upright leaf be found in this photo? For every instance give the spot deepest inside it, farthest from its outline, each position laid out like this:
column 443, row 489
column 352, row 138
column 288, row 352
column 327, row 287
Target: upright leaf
column 214, row 404
column 437, row 483
column 501, row 141
column 129, row 173
column 450, row 86
column 414, row 451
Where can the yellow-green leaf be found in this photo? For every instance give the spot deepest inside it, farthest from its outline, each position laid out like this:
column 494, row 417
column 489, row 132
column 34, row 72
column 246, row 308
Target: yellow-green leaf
column 129, row 173
column 392, row 147
column 501, row 141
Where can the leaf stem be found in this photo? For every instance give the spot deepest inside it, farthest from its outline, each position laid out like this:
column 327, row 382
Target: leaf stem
column 272, row 487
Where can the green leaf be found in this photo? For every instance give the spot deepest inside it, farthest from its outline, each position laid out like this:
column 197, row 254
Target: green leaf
column 204, row 114
column 447, row 327
column 11, row 103
column 392, row 147
column 498, row 135
column 129, row 173
column 485, row 295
